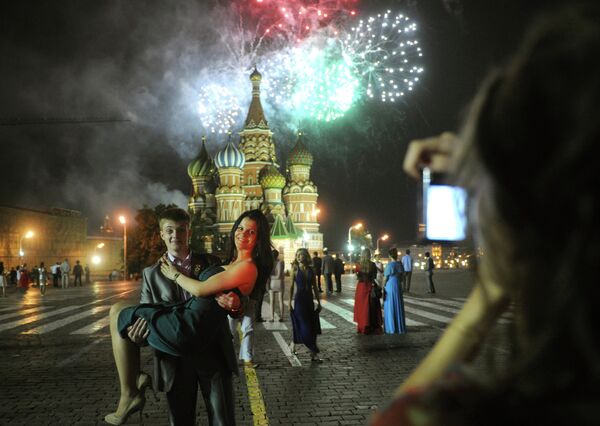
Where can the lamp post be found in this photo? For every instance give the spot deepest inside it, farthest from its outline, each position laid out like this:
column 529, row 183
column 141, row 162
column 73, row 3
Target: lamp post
column 357, row 226
column 382, row 238
column 123, row 221
column 27, row 235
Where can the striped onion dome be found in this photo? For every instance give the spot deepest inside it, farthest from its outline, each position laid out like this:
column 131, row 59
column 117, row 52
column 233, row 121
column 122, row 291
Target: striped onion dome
column 202, row 165
column 299, row 154
column 270, row 177
column 230, row 156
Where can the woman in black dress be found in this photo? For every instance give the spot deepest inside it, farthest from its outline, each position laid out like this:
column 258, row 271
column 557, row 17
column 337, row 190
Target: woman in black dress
column 176, row 328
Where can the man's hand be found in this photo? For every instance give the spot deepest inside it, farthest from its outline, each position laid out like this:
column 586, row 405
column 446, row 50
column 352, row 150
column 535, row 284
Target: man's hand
column 138, row 332
column 229, row 301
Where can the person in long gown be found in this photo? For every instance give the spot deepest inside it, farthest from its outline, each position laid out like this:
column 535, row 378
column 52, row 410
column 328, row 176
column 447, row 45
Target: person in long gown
column 187, row 327
column 367, row 309
column 305, row 318
column 394, row 321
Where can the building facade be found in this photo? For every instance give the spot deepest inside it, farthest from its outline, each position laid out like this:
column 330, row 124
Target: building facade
column 248, row 176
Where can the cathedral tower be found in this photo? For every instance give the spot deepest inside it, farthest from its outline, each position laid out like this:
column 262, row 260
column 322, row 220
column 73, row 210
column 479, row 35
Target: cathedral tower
column 300, row 194
column 257, row 145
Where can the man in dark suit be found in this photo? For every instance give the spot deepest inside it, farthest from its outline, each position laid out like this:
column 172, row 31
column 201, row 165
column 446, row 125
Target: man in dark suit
column 328, row 270
column 211, row 367
column 317, row 263
column 338, row 271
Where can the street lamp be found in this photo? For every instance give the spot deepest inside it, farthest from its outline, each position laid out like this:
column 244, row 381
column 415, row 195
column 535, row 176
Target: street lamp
column 123, row 221
column 382, row 238
column 27, row 235
column 357, row 226
column 95, row 258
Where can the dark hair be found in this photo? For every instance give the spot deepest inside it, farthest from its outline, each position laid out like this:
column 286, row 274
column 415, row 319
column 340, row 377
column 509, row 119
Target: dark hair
column 407, row 251
column 262, row 253
column 315, row 253
column 275, row 253
column 175, row 214
column 393, row 252
column 539, row 115
column 427, row 254
column 295, row 262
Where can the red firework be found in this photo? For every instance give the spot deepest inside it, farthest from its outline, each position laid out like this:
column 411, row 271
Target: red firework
column 297, row 19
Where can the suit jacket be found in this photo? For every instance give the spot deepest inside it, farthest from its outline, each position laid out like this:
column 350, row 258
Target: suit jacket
column 218, row 355
column 328, row 266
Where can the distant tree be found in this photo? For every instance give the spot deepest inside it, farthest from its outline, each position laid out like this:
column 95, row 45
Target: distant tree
column 145, row 246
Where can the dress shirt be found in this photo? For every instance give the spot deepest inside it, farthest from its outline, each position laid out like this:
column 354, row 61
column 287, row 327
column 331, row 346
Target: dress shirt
column 407, row 263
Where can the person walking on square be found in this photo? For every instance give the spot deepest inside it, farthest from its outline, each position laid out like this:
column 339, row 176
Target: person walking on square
column 65, row 268
column 276, row 285
column 35, row 276
column 407, row 265
column 338, row 270
column 43, row 277
column 317, row 264
column 55, row 269
column 304, row 316
column 2, row 279
column 367, row 309
column 394, row 321
column 328, row 270
column 429, row 267
column 86, row 271
column 23, row 277
column 77, row 273
column 12, row 275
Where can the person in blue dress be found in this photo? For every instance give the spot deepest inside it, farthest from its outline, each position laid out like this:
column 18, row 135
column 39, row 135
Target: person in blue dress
column 394, row 321
column 305, row 318
column 187, row 327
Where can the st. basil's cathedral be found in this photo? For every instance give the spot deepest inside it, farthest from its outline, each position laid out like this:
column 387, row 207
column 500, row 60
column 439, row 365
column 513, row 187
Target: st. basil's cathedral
column 246, row 177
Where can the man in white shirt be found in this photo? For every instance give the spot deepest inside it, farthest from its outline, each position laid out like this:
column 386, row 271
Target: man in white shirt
column 65, row 268
column 407, row 264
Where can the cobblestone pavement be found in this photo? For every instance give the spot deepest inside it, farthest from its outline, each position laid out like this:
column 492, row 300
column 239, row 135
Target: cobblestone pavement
column 56, row 362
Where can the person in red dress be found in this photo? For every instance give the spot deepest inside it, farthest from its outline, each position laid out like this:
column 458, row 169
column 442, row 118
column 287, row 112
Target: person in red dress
column 367, row 309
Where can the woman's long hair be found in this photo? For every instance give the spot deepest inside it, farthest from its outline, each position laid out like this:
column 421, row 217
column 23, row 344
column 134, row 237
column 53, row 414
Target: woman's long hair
column 365, row 261
column 295, row 264
column 262, row 252
column 529, row 157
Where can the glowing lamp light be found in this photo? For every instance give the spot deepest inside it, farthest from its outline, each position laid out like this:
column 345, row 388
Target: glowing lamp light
column 122, row 220
column 21, row 253
column 29, row 234
column 96, row 260
column 100, row 245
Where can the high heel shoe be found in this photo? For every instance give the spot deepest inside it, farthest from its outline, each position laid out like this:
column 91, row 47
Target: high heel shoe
column 135, row 405
column 144, row 381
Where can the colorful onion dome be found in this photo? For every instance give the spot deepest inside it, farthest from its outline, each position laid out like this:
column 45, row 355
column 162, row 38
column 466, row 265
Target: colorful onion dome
column 230, row 156
column 299, row 154
column 270, row 177
column 202, row 165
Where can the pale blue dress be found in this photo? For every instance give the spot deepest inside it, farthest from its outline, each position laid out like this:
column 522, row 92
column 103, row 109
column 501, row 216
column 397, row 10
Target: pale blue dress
column 394, row 321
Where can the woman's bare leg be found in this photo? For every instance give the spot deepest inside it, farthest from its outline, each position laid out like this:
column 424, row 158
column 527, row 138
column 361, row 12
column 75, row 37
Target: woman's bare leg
column 127, row 359
column 281, row 306
column 271, row 301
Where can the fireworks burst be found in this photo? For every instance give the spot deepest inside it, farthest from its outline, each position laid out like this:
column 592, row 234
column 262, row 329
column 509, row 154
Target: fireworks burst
column 218, row 108
column 326, row 86
column 382, row 50
column 295, row 20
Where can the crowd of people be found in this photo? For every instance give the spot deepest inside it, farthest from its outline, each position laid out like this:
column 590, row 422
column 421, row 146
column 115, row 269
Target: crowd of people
column 58, row 275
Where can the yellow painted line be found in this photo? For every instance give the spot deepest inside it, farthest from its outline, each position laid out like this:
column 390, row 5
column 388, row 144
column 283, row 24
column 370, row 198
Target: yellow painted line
column 257, row 403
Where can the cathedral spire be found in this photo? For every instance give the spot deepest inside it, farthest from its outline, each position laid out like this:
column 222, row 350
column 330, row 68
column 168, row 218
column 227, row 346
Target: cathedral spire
column 256, row 116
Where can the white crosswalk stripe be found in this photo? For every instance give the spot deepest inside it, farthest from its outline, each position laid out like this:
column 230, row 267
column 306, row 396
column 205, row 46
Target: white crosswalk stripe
column 438, row 305
column 94, row 327
column 24, row 312
column 46, row 328
column 38, row 317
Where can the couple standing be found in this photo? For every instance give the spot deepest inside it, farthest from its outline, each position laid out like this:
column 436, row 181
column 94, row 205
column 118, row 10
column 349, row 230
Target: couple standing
column 183, row 316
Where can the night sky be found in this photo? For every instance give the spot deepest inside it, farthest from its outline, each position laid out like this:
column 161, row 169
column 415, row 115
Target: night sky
column 140, row 61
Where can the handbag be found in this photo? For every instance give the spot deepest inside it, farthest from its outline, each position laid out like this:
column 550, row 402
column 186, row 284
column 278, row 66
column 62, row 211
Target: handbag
column 376, row 291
